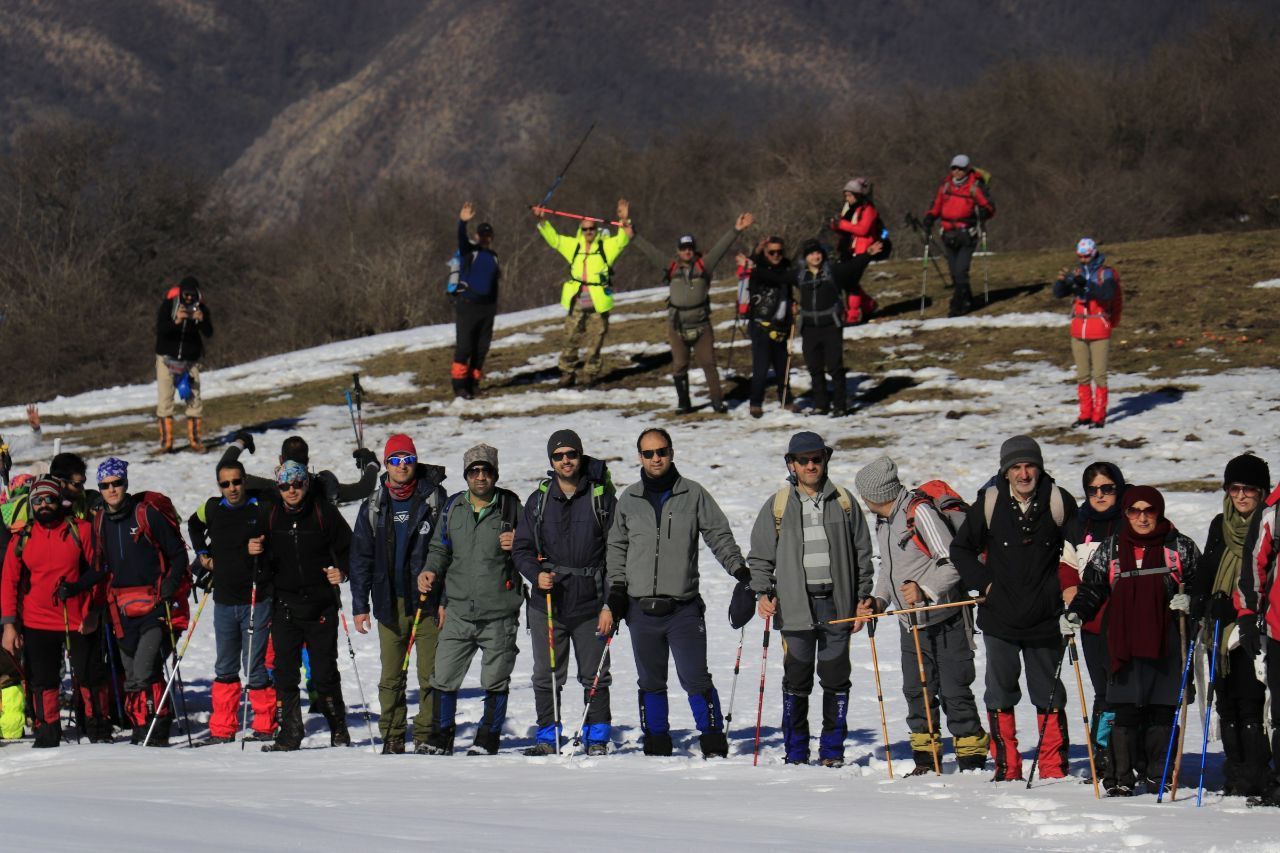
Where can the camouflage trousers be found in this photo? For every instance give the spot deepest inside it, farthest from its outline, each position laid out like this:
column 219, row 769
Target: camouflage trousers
column 583, row 329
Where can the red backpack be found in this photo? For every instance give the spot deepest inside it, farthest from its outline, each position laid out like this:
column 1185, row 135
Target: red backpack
column 948, row 503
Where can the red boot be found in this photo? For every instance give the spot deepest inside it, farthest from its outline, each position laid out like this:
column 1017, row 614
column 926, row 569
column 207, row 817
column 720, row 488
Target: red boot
column 1100, row 407
column 1052, row 763
column 1085, row 396
column 1004, row 745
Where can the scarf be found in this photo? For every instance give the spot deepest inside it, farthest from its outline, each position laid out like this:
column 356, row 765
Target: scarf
column 404, row 492
column 658, row 489
column 1107, row 517
column 1235, row 527
column 1139, row 621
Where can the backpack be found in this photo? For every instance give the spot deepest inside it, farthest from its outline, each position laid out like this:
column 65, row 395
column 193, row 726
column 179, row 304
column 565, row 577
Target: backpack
column 699, row 268
column 945, row 500
column 455, row 273
column 1057, row 509
column 1117, row 300
column 780, row 505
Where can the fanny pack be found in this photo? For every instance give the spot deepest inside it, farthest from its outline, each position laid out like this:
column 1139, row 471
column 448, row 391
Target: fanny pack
column 177, row 366
column 134, row 602
column 658, row 606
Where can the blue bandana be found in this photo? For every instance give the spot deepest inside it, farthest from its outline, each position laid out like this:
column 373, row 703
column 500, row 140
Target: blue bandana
column 292, row 472
column 112, row 468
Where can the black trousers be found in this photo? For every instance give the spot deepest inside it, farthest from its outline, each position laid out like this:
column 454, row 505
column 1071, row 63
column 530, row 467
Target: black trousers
column 474, row 327
column 958, row 247
column 823, row 348
column 316, row 627
column 43, row 652
column 766, row 353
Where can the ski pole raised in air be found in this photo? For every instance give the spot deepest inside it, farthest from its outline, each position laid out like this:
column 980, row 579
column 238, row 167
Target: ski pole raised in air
column 351, row 410
column 560, row 177
column 546, row 211
column 355, row 382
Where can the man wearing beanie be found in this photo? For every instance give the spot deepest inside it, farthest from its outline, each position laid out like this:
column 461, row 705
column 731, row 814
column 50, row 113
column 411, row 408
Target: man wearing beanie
column 1017, row 522
column 475, row 302
column 388, row 547
column 811, row 563
column 142, row 550
column 470, row 554
column 916, row 570
column 53, row 591
column 325, row 483
column 560, row 550
column 653, row 577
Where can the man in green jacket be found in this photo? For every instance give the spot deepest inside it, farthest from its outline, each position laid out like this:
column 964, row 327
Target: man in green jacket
column 586, row 294
column 470, row 555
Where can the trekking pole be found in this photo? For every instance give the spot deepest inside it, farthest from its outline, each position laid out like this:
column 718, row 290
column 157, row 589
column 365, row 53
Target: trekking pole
column 908, row 610
column 182, row 689
column 1208, row 708
column 543, row 211
column 248, row 659
column 168, row 684
column 591, row 695
column 351, row 650
column 107, row 632
column 413, row 632
column 764, row 660
column 355, row 381
column 934, row 737
column 737, row 667
column 1084, row 716
column 560, row 177
column 1179, row 718
column 986, row 264
column 555, row 685
column 875, row 667
column 786, row 380
column 75, row 679
column 351, row 410
column 1044, row 724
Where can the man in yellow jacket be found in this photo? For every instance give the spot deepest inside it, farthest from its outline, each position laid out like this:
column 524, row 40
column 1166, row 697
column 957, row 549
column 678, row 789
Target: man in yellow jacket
column 587, row 295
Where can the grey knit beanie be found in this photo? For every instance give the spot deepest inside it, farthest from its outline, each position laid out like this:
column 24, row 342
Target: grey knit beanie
column 1020, row 448
column 878, row 481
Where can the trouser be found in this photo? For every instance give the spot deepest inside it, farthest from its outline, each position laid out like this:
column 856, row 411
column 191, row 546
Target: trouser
column 1141, row 728
column 458, row 643
column 236, row 648
column 588, row 648
column 823, row 348
column 165, row 389
column 823, row 649
column 766, row 353
column 1098, row 661
column 1272, row 650
column 1005, row 659
column 703, row 352
column 1239, row 698
column 682, row 635
column 473, row 325
column 586, row 329
column 958, row 246
column 314, row 626
column 393, row 643
column 43, row 653
column 949, row 673
column 1091, row 361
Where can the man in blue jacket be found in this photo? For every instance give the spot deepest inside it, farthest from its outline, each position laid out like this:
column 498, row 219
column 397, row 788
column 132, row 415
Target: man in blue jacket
column 560, row 550
column 475, row 304
column 393, row 529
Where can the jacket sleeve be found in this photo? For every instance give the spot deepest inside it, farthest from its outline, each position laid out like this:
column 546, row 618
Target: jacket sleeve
column 967, row 547
column 867, row 219
column 1066, row 285
column 198, row 530
column 361, row 560
column 562, row 244
column 339, row 534
column 1259, row 562
column 613, row 245
column 251, row 481
column 205, row 326
column 91, row 568
column 985, row 207
column 712, row 258
column 1095, row 583
column 716, row 533
column 935, row 209
column 9, row 585
column 881, row 589
column 177, row 571
column 863, row 553
column 942, row 579
column 652, row 253
column 164, row 325
column 438, row 553
column 1104, row 289
column 525, row 550
column 762, row 559
column 359, row 490
column 616, row 550
column 465, row 246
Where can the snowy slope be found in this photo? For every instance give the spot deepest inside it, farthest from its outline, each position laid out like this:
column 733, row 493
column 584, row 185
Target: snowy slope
column 81, row 797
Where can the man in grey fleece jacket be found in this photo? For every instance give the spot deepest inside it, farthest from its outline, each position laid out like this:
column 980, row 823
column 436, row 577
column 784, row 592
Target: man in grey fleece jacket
column 915, row 570
column 652, row 567
column 811, row 563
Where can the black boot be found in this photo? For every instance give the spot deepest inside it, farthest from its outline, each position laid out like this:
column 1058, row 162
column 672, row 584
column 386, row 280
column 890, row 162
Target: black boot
column 1124, row 745
column 159, row 731
column 1232, row 760
column 714, row 745
column 839, row 394
column 1254, row 775
column 683, row 404
column 47, row 735
column 1102, row 759
column 335, row 714
column 393, row 746
column 289, row 725
column 657, row 744
column 819, row 392
column 489, row 732
column 1156, row 738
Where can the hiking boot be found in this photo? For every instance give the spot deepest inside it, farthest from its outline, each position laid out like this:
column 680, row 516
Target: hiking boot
column 212, row 740
column 566, row 380
column 541, row 748
column 714, row 745
column 757, row 412
column 802, row 762
column 1119, row 790
column 281, row 746
column 160, row 735
column 970, row 762
column 486, row 743
column 393, row 746
column 683, row 404
column 428, row 748
column 832, row 762
column 597, row 749
column 335, row 714
column 919, row 770
column 720, row 408
column 657, row 744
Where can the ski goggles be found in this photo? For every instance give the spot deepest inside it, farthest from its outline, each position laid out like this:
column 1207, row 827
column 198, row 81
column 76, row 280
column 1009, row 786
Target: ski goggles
column 398, row 459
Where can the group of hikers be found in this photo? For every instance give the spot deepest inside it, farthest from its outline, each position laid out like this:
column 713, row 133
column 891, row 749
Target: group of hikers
column 102, row 578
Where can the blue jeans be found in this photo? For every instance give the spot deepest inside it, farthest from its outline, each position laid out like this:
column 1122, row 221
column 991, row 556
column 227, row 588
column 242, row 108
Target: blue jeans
column 231, row 630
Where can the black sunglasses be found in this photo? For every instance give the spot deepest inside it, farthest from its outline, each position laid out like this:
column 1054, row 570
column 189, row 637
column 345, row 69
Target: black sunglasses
column 1104, row 489
column 564, row 454
column 111, row 484
column 226, row 484
column 476, row 470
column 660, row 452
column 805, row 461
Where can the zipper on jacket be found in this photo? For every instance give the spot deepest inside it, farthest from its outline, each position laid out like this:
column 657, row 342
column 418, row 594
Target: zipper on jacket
column 657, row 549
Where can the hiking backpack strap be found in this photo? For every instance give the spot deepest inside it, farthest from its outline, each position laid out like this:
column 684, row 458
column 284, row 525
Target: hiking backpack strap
column 989, row 498
column 1057, row 507
column 779, row 507
column 444, row 521
column 543, row 488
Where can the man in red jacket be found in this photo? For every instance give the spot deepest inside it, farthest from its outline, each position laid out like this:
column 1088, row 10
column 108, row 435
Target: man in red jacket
column 961, row 204
column 51, row 592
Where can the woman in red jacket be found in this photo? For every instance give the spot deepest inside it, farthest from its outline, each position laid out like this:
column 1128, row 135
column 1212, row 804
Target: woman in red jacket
column 1096, row 311
column 51, row 592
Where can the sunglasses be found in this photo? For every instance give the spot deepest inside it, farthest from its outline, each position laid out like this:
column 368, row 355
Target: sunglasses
column 227, row 484
column 477, row 470
column 660, row 452
column 564, row 454
column 957, row 168
column 398, row 459
column 806, row 461
column 588, row 230
column 1097, row 491
column 1147, row 511
column 773, row 253
column 296, row 485
column 1241, row 490
column 111, row 484
column 44, row 500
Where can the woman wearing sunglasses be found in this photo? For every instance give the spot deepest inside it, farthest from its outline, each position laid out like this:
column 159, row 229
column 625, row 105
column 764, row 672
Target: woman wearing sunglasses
column 1098, row 519
column 1238, row 695
column 1140, row 571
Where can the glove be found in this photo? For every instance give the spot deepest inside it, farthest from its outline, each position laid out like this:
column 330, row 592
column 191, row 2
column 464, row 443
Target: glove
column 928, row 222
column 1250, row 639
column 1181, row 602
column 618, row 602
column 245, row 439
column 200, row 576
column 742, row 606
column 65, row 591
column 364, row 458
column 1069, row 623
column 1222, row 608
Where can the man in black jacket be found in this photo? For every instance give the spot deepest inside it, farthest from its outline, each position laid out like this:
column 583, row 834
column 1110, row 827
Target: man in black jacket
column 182, row 323
column 560, row 550
column 325, row 482
column 1018, row 523
column 769, row 317
column 307, row 546
column 475, row 301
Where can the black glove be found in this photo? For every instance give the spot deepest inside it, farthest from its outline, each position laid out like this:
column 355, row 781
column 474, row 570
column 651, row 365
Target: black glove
column 1078, row 285
column 618, row 602
column 1250, row 639
column 200, row 576
column 1222, row 608
column 928, row 221
column 742, row 606
column 244, row 438
column 364, row 458
column 65, row 590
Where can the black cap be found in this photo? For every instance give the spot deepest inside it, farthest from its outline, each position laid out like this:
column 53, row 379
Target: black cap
column 1248, row 470
column 485, row 228
column 564, row 438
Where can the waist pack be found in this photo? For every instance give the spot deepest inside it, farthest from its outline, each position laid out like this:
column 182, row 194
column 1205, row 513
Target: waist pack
column 134, row 602
column 658, row 605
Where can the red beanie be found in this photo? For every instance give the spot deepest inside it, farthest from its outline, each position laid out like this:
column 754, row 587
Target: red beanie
column 399, row 443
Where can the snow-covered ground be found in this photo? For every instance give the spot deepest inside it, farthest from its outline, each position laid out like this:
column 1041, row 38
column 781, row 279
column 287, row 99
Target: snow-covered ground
column 117, row 797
